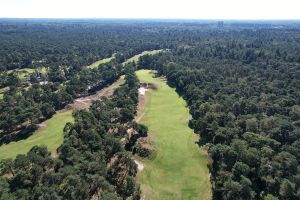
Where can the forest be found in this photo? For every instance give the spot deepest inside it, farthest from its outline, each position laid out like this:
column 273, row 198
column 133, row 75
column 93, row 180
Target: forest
column 244, row 99
column 241, row 83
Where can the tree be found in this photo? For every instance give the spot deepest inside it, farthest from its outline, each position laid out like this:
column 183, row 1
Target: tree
column 286, row 189
column 270, row 197
column 47, row 110
column 7, row 167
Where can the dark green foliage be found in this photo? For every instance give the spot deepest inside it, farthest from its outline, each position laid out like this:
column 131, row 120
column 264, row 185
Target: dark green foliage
column 244, row 99
column 91, row 160
column 241, row 84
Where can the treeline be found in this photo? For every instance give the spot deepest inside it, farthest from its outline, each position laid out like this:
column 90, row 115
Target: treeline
column 30, row 45
column 245, row 108
column 92, row 161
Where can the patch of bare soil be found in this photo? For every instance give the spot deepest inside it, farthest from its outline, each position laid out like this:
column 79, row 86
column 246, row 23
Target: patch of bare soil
column 42, row 125
column 144, row 148
column 54, row 154
column 85, row 102
column 140, row 108
column 140, row 165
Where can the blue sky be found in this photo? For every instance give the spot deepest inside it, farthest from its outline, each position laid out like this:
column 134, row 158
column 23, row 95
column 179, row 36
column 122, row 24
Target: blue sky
column 179, row 9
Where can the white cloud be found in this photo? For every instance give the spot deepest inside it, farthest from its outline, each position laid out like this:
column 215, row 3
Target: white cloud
column 188, row 9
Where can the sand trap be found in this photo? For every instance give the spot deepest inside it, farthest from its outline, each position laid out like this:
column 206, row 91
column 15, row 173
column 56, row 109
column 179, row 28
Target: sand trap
column 142, row 90
column 140, row 165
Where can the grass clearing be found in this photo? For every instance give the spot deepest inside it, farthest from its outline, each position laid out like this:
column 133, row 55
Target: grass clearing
column 132, row 59
column 51, row 135
column 136, row 57
column 179, row 168
column 25, row 72
column 103, row 61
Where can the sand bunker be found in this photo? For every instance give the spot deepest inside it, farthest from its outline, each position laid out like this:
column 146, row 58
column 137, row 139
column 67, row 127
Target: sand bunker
column 142, row 91
column 140, row 165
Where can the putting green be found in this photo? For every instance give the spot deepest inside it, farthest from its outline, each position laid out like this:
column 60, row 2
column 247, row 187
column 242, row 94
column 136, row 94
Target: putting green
column 179, row 167
column 51, row 135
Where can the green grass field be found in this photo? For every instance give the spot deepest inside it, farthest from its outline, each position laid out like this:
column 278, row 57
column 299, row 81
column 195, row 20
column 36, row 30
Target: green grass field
column 50, row 135
column 103, row 61
column 136, row 57
column 179, row 167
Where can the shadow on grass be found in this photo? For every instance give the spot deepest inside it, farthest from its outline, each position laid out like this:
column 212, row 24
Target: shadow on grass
column 18, row 135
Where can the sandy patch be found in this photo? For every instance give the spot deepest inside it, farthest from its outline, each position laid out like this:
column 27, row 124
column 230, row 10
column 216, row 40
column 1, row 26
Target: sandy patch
column 140, row 108
column 142, row 91
column 54, row 154
column 140, row 165
column 85, row 102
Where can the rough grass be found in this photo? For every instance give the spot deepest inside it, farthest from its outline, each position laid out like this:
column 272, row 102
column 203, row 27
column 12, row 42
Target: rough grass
column 179, row 168
column 25, row 72
column 136, row 57
column 132, row 59
column 51, row 135
column 103, row 61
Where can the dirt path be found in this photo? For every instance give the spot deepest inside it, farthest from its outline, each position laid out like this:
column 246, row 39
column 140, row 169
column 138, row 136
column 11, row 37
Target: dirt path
column 141, row 104
column 85, row 102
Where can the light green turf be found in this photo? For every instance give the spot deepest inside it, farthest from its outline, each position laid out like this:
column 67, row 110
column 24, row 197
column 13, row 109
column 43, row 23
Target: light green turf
column 24, row 73
column 50, row 135
column 179, row 169
column 132, row 59
column 136, row 57
column 2, row 90
column 103, row 61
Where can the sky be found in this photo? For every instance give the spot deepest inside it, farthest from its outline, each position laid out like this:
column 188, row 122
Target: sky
column 160, row 9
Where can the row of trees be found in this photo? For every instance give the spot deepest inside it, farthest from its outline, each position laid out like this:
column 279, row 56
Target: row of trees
column 29, row 45
column 92, row 162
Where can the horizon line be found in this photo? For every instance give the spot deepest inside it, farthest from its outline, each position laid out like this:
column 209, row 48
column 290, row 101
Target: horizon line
column 133, row 18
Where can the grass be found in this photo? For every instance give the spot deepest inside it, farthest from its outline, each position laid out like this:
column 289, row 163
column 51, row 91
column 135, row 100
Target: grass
column 179, row 168
column 50, row 135
column 25, row 72
column 2, row 90
column 132, row 59
column 103, row 61
column 136, row 57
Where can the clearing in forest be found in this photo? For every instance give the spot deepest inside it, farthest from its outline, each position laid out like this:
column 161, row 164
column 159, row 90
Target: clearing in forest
column 51, row 131
column 132, row 59
column 178, row 170
column 103, row 61
column 25, row 72
column 50, row 134
column 136, row 57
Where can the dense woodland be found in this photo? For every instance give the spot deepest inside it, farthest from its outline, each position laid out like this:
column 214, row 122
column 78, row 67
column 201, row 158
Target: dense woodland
column 244, row 97
column 92, row 161
column 241, row 82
